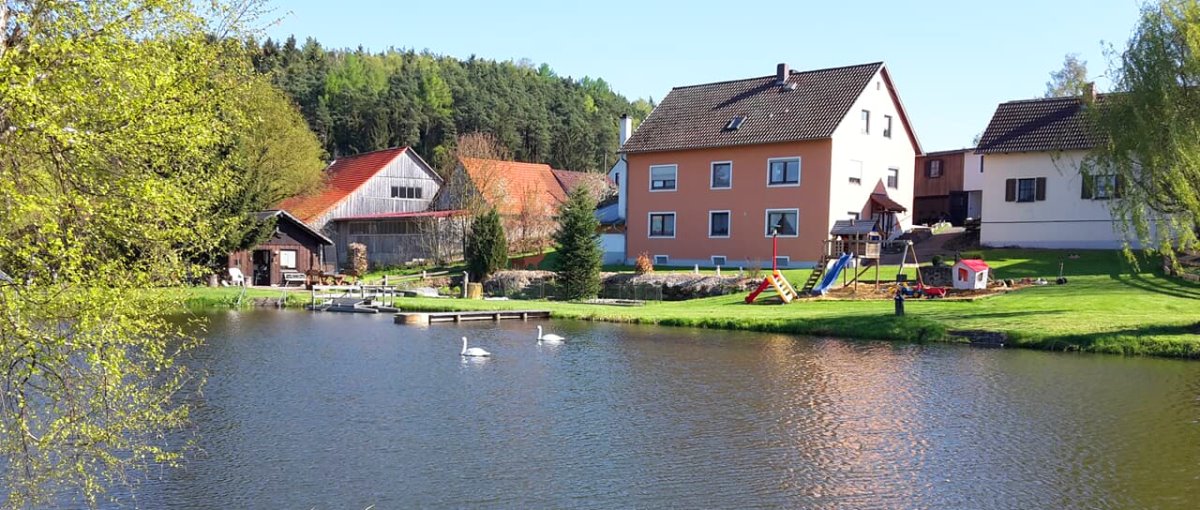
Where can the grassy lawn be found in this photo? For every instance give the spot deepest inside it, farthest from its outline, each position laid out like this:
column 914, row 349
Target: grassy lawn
column 1105, row 307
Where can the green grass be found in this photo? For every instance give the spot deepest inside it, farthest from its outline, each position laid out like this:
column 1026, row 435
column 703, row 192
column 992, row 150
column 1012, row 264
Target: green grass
column 227, row 297
column 1104, row 308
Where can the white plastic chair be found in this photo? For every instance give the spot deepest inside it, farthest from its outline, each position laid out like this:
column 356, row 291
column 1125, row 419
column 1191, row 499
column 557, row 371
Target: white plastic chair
column 236, row 277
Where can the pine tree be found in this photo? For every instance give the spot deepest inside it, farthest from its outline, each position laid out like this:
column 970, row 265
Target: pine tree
column 578, row 262
column 487, row 248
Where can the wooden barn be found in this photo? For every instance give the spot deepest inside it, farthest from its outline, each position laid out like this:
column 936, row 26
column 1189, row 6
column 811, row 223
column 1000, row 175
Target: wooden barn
column 293, row 249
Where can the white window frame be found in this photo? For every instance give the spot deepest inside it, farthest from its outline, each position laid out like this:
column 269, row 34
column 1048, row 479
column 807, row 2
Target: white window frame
column 935, row 164
column 865, row 117
column 723, row 258
column 887, row 126
column 856, row 177
column 282, row 259
column 787, row 261
column 799, row 172
column 1107, row 191
column 666, row 260
column 853, row 215
column 674, row 168
column 712, row 168
column 1032, row 191
column 728, row 227
column 650, row 224
column 767, row 221
column 889, row 177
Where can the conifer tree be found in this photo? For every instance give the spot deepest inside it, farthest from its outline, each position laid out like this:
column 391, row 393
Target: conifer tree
column 578, row 262
column 487, row 248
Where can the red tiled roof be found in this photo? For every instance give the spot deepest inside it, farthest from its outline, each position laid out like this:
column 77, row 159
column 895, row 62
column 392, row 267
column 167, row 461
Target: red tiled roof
column 404, row 215
column 569, row 179
column 976, row 265
column 343, row 177
column 505, row 183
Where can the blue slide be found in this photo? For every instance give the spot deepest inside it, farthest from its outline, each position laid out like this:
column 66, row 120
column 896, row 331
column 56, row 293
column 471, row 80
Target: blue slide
column 831, row 275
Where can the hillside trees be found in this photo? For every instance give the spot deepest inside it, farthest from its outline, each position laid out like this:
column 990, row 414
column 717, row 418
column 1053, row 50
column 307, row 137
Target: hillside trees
column 358, row 101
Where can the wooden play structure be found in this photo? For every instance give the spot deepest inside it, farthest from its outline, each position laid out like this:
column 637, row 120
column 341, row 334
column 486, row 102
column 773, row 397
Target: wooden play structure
column 775, row 280
column 856, row 238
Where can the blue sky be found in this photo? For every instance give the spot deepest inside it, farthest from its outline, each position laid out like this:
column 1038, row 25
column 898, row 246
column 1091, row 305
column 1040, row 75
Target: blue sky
column 952, row 61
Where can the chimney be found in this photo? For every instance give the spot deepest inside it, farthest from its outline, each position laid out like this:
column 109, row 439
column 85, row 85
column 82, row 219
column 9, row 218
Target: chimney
column 626, row 128
column 781, row 73
column 1089, row 91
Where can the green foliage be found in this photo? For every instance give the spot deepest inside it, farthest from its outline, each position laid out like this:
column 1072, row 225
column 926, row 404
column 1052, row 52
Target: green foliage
column 1071, row 80
column 578, row 249
column 357, row 101
column 487, row 247
column 1151, row 137
column 116, row 118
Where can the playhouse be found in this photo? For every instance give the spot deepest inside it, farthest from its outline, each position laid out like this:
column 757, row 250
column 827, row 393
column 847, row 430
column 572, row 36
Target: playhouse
column 971, row 274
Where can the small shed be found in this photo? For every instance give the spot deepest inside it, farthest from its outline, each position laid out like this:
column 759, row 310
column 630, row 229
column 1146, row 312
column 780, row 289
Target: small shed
column 294, row 247
column 971, row 274
column 856, row 236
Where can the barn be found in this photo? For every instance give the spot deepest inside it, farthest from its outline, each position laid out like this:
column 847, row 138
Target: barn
column 294, row 248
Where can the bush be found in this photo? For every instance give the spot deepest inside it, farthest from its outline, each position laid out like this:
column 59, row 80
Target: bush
column 487, row 248
column 578, row 258
column 643, row 264
column 358, row 258
column 937, row 261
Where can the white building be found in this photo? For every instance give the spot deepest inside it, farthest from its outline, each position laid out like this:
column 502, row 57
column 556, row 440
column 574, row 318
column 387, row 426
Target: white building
column 1033, row 193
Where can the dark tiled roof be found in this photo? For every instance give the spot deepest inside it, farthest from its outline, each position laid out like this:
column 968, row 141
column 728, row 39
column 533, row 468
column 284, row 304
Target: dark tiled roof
column 886, row 202
column 1037, row 125
column 286, row 216
column 695, row 116
column 852, row 227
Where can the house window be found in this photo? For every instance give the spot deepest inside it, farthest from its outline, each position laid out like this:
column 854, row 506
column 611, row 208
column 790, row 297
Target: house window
column 887, row 126
column 718, row 224
column 661, row 260
column 360, row 228
column 287, row 259
column 662, row 177
column 782, row 220
column 853, row 215
column 783, row 172
column 933, row 169
column 1102, row 187
column 662, row 224
column 783, row 261
column 718, row 260
column 406, row 192
column 735, row 123
column 893, row 178
column 722, row 175
column 856, row 171
column 1026, row 190
column 866, row 122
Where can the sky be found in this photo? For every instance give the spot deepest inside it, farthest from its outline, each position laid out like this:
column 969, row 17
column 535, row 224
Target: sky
column 951, row 61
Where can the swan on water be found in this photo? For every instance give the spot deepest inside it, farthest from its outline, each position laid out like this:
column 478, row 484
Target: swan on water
column 550, row 339
column 474, row 352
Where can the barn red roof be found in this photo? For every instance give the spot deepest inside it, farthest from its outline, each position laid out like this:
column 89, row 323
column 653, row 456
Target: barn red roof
column 505, row 183
column 976, row 265
column 343, row 177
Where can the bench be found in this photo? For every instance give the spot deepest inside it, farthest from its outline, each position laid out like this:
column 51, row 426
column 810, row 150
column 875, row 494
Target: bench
column 291, row 277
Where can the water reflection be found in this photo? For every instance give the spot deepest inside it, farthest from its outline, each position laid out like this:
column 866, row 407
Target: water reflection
column 341, row 411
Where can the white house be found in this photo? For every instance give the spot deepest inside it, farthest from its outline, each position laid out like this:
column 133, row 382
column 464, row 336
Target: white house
column 1033, row 193
column 970, row 274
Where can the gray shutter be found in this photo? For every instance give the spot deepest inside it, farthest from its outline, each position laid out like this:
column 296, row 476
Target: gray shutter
column 1039, row 191
column 1010, row 190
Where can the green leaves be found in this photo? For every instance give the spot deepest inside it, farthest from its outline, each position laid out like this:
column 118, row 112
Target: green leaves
column 487, row 246
column 579, row 256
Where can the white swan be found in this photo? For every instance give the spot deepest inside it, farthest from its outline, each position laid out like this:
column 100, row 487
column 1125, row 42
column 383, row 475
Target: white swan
column 549, row 339
column 473, row 352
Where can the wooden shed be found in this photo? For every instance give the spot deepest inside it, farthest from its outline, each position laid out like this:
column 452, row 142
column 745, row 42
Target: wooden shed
column 294, row 248
column 971, row 274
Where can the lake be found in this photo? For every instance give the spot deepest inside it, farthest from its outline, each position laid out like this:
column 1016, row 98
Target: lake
column 310, row 410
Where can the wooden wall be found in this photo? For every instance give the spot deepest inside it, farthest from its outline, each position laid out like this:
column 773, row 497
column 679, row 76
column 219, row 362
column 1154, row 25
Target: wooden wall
column 288, row 236
column 951, row 179
column 375, row 196
column 397, row 242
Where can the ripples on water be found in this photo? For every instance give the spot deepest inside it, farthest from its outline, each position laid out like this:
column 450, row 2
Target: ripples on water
column 347, row 411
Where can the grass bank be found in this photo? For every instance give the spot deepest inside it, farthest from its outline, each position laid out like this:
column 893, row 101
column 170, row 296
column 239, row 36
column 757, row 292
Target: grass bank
column 1105, row 308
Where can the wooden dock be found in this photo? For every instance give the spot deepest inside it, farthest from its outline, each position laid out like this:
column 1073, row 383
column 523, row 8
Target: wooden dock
column 433, row 317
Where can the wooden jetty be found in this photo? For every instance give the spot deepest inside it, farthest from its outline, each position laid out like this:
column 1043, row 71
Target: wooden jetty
column 432, row 317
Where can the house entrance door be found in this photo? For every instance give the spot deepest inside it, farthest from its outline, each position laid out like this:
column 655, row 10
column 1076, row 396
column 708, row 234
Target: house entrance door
column 261, row 259
column 958, row 207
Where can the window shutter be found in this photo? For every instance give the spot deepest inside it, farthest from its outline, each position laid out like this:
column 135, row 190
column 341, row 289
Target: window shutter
column 928, row 168
column 1120, row 191
column 1089, row 182
column 1040, row 190
column 1010, row 190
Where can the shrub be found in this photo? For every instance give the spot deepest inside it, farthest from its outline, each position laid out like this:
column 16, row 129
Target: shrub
column 487, row 248
column 358, row 258
column 754, row 270
column 578, row 259
column 937, row 261
column 643, row 264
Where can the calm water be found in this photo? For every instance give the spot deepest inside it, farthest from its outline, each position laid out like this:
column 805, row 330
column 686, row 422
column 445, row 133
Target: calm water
column 346, row 411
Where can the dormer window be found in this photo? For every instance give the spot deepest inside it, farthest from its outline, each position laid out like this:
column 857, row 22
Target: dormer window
column 735, row 123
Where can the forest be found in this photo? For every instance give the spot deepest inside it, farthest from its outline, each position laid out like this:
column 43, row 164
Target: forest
column 358, row 101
